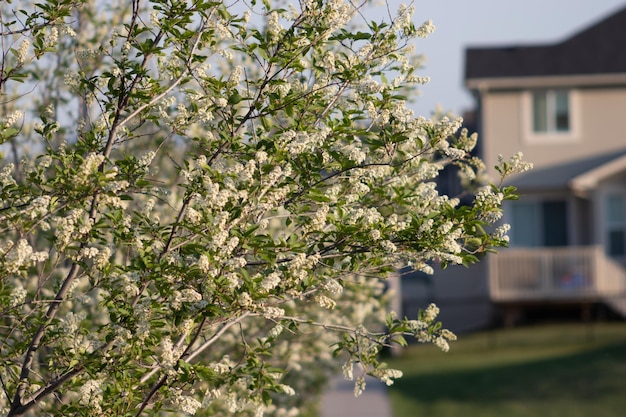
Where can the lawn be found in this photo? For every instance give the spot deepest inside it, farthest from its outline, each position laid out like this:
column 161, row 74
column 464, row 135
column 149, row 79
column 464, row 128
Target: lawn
column 547, row 371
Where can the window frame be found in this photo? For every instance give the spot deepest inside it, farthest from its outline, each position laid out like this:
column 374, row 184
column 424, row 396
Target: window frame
column 537, row 227
column 551, row 134
column 549, row 117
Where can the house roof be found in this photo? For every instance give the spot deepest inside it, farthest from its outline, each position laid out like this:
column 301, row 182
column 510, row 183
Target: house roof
column 598, row 49
column 579, row 175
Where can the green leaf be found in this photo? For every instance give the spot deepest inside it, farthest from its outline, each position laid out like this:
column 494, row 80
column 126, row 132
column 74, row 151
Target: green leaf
column 235, row 98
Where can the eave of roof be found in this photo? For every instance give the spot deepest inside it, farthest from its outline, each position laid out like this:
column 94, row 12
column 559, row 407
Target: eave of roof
column 578, row 176
column 548, row 81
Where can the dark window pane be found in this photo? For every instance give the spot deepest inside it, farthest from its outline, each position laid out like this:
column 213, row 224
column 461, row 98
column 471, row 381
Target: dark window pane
column 561, row 104
column 540, row 111
column 616, row 243
column 616, row 208
column 554, row 223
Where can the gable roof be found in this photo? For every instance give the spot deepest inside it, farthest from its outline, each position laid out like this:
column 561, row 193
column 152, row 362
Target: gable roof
column 579, row 175
column 599, row 49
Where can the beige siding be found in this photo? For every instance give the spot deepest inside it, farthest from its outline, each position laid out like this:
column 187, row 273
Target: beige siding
column 599, row 127
column 500, row 133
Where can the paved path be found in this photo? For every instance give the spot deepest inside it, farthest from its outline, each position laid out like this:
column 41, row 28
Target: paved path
column 339, row 400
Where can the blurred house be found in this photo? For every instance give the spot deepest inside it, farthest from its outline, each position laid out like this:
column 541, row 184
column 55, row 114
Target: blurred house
column 564, row 106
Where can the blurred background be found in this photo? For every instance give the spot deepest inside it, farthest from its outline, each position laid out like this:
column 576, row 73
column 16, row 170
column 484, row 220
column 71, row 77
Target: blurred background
column 541, row 324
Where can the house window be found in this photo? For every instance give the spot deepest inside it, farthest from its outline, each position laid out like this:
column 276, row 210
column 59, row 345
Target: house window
column 540, row 223
column 616, row 224
column 551, row 111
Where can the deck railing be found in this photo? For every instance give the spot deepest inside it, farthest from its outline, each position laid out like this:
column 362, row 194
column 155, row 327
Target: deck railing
column 567, row 273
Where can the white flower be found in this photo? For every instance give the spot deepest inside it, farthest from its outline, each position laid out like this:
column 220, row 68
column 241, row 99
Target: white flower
column 325, row 302
column 359, row 386
column 287, row 389
column 272, row 312
column 154, row 18
column 204, row 264
column 126, row 48
column 442, row 343
column 388, row 375
column 275, row 331
column 87, row 54
column 90, row 165
column 22, row 51
column 270, row 281
column 332, row 286
column 67, row 30
column 235, row 76
column 426, row 29
column 169, row 353
column 193, row 215
column 22, row 255
column 72, row 79
column 388, row 246
column 186, row 404
column 91, row 395
column 245, row 300
column 6, row 177
column 273, row 26
column 261, row 157
column 18, row 295
column 347, row 369
column 13, row 118
column 318, row 221
column 414, row 79
column 515, row 165
column 53, row 37
column 501, row 232
column 431, row 313
column 146, row 159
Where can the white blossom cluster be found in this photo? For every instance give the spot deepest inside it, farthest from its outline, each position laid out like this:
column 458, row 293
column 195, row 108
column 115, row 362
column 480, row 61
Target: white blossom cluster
column 16, row 256
column 72, row 226
column 22, row 51
column 12, row 119
column 515, row 165
column 91, row 395
column 489, row 200
column 333, row 15
column 6, row 176
column 420, row 328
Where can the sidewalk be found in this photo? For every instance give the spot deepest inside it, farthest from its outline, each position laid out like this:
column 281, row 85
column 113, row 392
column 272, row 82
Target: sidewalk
column 339, row 400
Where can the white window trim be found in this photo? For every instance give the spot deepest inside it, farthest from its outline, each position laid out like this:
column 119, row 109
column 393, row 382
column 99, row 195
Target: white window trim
column 551, row 137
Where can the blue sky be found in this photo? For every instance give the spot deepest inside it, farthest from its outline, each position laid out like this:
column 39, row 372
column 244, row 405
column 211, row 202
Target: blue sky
column 463, row 23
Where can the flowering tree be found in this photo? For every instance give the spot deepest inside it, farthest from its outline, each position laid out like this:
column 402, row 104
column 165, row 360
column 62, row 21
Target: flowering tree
column 200, row 201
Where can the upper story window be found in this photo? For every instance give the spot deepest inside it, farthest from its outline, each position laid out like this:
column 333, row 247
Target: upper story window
column 550, row 115
column 551, row 111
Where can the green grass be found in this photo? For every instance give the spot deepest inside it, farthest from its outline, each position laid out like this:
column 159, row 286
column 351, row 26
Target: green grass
column 546, row 371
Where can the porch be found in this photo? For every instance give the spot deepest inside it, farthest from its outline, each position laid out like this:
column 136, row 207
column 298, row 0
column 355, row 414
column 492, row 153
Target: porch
column 577, row 274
